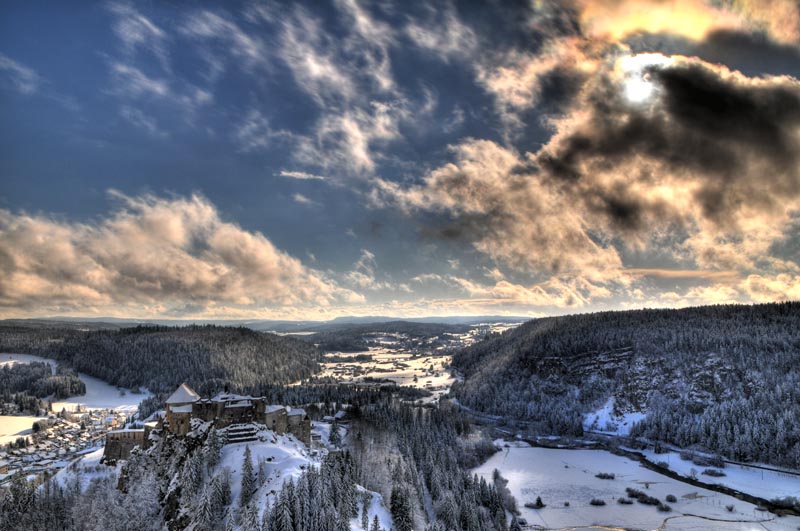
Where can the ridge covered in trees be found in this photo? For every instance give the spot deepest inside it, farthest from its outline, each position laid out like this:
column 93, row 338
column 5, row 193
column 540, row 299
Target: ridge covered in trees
column 161, row 358
column 722, row 378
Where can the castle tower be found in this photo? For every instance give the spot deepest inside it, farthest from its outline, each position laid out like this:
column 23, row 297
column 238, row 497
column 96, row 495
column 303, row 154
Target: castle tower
column 179, row 409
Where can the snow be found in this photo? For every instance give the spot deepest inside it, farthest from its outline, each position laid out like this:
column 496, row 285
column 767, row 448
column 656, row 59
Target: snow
column 560, row 476
column 12, row 427
column 86, row 468
column 181, row 409
column 99, row 394
column 396, row 365
column 11, row 359
column 603, row 420
column 756, row 482
column 183, row 395
column 284, row 457
column 297, row 412
column 376, row 507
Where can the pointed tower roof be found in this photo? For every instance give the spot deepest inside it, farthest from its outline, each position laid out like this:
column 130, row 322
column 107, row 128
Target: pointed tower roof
column 183, row 395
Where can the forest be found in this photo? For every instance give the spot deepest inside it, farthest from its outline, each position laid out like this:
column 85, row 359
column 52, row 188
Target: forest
column 721, row 378
column 37, row 379
column 422, row 469
column 160, row 358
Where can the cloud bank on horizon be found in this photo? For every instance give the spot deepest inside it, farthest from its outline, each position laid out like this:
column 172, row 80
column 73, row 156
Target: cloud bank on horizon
column 300, row 160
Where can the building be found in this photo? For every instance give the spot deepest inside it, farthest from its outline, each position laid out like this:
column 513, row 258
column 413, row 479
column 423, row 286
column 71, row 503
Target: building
column 227, row 409
column 179, row 409
column 119, row 444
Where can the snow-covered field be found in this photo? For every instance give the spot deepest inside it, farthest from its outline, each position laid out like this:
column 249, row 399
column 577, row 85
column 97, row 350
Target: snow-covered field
column 762, row 483
column 13, row 427
column 560, row 476
column 404, row 368
column 99, row 394
column 11, row 359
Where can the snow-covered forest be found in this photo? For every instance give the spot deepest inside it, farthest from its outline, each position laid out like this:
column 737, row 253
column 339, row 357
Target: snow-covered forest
column 416, row 460
column 161, row 358
column 723, row 378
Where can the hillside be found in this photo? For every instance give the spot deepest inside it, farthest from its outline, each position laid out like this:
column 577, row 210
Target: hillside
column 160, row 358
column 725, row 378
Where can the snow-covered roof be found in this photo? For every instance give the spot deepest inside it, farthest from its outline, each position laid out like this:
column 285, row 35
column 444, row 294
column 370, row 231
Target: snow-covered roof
column 183, row 395
column 240, row 403
column 273, row 409
column 227, row 397
column 298, row 411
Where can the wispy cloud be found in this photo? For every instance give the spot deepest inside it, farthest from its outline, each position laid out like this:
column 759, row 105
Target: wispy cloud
column 143, row 121
column 23, row 79
column 303, row 200
column 444, row 35
column 136, row 31
column 130, row 81
column 254, row 132
column 301, row 175
column 250, row 50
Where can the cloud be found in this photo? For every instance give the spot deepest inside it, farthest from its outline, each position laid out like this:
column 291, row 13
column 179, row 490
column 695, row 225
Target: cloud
column 303, row 200
column 310, row 54
column 250, row 50
column 659, row 155
column 761, row 288
column 638, row 167
column 25, row 80
column 443, row 35
column 130, row 81
column 348, row 140
column 254, row 132
column 143, row 121
column 363, row 273
column 137, row 31
column 301, row 175
column 152, row 253
column 509, row 216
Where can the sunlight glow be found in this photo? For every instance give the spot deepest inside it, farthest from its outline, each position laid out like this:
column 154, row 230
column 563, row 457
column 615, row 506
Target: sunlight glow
column 637, row 86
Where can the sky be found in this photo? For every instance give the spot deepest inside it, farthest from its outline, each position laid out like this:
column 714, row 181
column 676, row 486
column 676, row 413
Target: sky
column 308, row 160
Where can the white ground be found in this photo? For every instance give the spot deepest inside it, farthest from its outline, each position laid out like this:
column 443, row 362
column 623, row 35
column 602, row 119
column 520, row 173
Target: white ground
column 761, row 483
column 13, row 427
column 376, row 506
column 87, row 468
column 560, row 476
column 604, row 420
column 99, row 394
column 395, row 365
column 284, row 457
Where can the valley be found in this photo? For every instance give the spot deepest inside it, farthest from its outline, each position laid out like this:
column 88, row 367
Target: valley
column 390, row 386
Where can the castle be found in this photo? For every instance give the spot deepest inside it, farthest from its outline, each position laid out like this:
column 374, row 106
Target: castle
column 224, row 410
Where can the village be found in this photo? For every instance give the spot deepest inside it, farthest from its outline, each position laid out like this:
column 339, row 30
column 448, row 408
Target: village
column 56, row 440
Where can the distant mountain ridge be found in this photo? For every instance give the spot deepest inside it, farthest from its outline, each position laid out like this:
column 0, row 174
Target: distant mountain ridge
column 264, row 325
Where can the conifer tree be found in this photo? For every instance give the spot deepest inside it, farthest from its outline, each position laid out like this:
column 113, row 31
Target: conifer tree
column 248, row 479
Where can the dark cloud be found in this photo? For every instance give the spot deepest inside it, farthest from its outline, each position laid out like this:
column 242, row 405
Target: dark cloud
column 735, row 137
